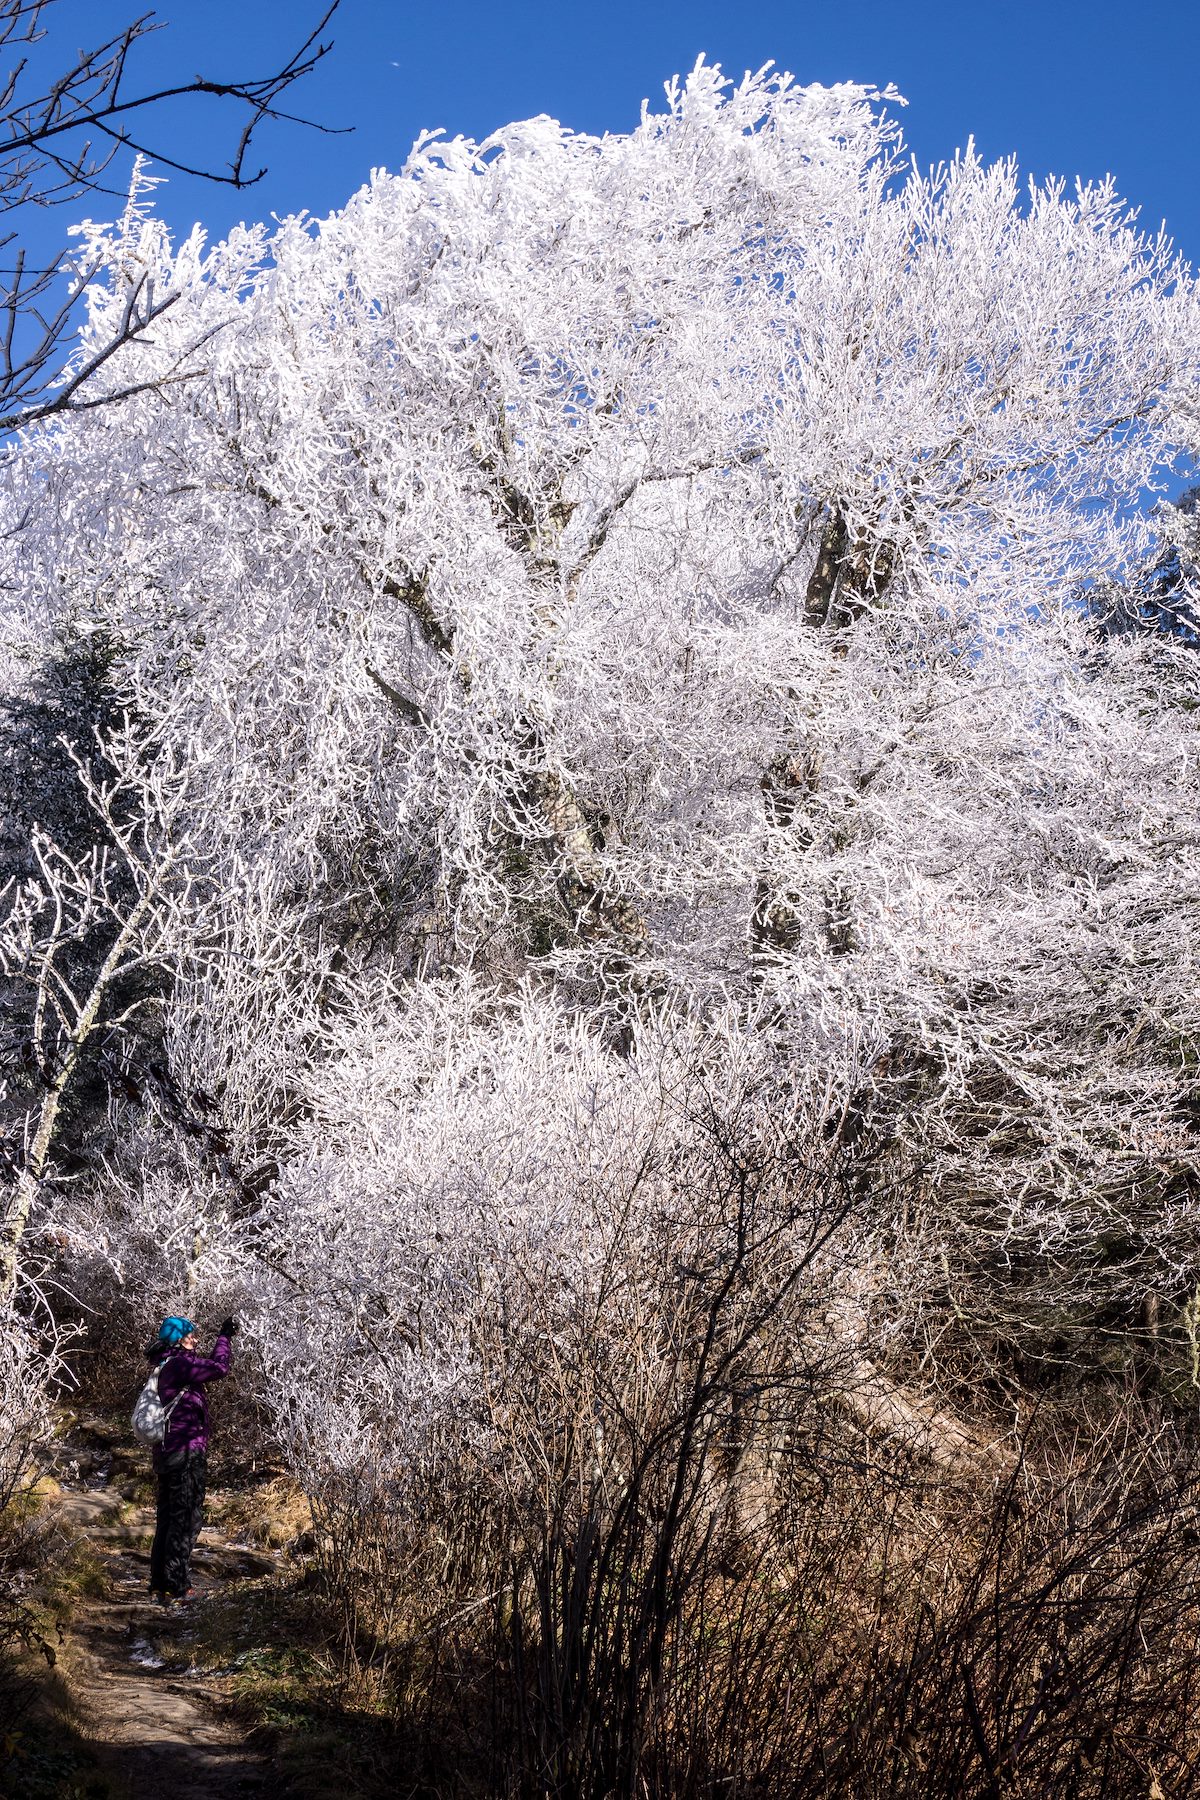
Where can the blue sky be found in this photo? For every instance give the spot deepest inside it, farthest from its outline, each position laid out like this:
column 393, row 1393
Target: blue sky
column 1071, row 88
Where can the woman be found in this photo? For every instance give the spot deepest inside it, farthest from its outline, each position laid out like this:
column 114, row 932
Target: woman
column 181, row 1460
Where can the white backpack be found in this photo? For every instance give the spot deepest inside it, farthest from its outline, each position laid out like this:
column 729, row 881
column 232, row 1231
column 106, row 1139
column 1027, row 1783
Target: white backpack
column 150, row 1417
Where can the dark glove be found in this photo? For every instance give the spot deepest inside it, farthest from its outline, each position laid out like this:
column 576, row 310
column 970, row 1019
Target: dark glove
column 227, row 1328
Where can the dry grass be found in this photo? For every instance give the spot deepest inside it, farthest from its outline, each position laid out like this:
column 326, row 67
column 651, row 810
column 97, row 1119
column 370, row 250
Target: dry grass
column 272, row 1514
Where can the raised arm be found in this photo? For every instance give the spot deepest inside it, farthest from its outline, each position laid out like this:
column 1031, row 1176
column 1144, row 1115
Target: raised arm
column 215, row 1365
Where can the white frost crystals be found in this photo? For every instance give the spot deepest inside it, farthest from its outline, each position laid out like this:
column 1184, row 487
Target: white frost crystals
column 645, row 579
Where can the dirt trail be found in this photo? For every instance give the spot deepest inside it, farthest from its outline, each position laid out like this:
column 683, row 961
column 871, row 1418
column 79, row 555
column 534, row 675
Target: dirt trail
column 154, row 1729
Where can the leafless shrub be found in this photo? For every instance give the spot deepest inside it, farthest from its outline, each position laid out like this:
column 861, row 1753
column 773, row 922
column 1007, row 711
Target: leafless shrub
column 31, row 1367
column 886, row 1634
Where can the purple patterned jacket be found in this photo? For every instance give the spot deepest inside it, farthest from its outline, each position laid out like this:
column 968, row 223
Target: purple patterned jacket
column 184, row 1372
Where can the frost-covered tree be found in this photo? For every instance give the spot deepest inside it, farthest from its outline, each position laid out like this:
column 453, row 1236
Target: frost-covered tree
column 656, row 568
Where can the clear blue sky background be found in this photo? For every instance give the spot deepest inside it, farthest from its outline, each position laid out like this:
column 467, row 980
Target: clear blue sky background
column 1072, row 88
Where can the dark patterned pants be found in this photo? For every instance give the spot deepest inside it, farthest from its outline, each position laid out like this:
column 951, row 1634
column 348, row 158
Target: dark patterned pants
column 182, row 1481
